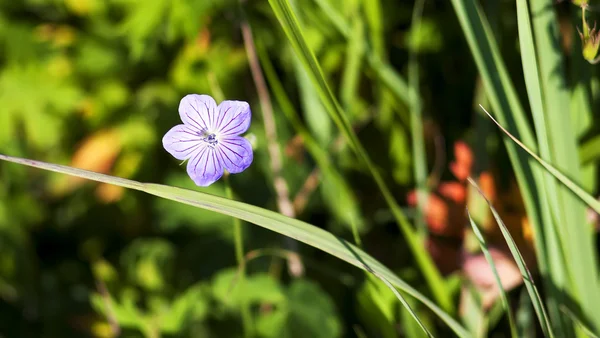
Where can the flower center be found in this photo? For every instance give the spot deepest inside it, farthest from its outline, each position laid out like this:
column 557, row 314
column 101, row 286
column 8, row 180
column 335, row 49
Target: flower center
column 211, row 139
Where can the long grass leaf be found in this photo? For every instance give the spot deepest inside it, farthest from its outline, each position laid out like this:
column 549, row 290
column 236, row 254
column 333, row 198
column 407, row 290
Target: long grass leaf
column 544, row 78
column 346, row 206
column 416, row 122
column 507, row 108
column 299, row 230
column 576, row 189
column 488, row 257
column 534, row 295
column 576, row 235
column 586, row 329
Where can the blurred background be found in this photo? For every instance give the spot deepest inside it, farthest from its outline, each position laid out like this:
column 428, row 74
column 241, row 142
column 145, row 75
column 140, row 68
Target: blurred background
column 95, row 84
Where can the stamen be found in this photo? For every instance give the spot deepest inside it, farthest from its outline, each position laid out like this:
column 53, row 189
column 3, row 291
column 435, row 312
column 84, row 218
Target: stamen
column 211, row 139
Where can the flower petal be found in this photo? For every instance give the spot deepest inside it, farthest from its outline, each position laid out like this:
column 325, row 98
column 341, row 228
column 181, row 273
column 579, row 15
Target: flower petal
column 233, row 118
column 182, row 141
column 198, row 111
column 205, row 167
column 235, row 153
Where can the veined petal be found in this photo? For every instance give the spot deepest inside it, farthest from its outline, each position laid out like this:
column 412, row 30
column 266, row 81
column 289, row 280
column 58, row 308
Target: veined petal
column 198, row 111
column 182, row 141
column 235, row 152
column 233, row 117
column 205, row 167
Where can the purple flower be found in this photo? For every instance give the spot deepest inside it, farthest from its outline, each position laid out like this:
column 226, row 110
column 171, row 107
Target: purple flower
column 209, row 138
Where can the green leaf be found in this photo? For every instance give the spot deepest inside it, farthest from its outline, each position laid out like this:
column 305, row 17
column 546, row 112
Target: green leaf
column 575, row 189
column 256, row 289
column 39, row 99
column 192, row 305
column 309, row 312
column 579, row 322
column 270, row 220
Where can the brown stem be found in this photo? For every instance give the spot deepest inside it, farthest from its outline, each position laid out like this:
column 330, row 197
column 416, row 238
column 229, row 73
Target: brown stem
column 281, row 187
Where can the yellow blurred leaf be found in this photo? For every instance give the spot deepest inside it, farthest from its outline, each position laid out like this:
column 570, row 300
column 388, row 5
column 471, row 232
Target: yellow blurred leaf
column 83, row 7
column 109, row 193
column 58, row 35
column 102, row 329
column 97, row 153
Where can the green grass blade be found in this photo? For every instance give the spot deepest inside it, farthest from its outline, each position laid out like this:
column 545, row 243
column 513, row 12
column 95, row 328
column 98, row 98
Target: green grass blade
column 586, row 329
column 488, row 257
column 374, row 55
column 354, row 63
column 299, row 230
column 290, row 25
column 576, row 189
column 416, row 123
column 346, row 206
column 238, row 239
column 557, row 269
column 402, row 300
column 589, row 151
column 527, row 278
column 335, row 17
column 503, row 98
column 548, row 93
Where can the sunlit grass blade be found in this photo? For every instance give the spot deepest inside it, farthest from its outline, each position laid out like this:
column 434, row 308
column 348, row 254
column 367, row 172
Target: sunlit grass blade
column 576, row 189
column 346, row 205
column 589, row 151
column 354, row 62
column 488, row 257
column 586, row 329
column 289, row 22
column 416, row 122
column 507, row 108
column 238, row 240
column 299, row 230
column 549, row 194
column 403, row 301
column 543, row 61
column 525, row 273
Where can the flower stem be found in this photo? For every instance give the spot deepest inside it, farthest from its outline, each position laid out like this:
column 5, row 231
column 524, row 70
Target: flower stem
column 239, row 256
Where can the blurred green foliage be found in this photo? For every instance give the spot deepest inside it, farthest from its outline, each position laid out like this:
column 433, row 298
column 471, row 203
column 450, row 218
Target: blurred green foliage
column 95, row 84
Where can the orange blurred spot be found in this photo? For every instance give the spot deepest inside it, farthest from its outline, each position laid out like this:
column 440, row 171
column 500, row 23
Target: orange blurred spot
column 454, row 191
column 436, row 211
column 203, row 39
column 527, row 230
column 109, row 193
column 436, row 214
column 96, row 153
column 486, row 183
column 461, row 167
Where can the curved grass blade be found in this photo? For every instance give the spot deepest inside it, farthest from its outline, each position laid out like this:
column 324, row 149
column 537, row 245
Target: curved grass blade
column 299, row 230
column 576, row 189
column 527, row 278
column 548, row 97
column 488, row 257
column 580, row 323
column 347, row 208
column 289, row 22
